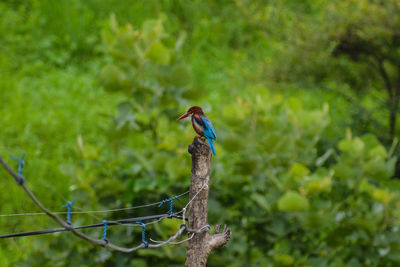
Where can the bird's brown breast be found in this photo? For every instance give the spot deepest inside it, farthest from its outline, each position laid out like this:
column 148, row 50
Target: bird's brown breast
column 198, row 128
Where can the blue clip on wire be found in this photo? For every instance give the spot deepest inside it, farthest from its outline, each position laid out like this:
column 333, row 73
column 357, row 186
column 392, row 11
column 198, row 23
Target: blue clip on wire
column 171, row 203
column 69, row 208
column 104, row 237
column 21, row 164
column 146, row 244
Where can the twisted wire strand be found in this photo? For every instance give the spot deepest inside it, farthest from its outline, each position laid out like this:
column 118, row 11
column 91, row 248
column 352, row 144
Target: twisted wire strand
column 119, row 222
column 89, row 211
column 19, row 179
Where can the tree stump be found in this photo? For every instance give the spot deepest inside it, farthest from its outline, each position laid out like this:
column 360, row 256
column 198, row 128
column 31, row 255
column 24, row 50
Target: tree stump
column 201, row 245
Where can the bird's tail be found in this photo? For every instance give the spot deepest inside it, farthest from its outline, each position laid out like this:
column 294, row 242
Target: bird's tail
column 210, row 141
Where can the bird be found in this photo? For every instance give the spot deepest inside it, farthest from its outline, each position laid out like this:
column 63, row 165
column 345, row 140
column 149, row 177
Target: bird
column 202, row 125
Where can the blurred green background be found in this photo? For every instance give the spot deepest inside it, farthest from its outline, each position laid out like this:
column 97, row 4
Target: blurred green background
column 303, row 95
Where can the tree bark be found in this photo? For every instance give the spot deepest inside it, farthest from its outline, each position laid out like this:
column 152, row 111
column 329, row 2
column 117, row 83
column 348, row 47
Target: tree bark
column 201, row 245
column 393, row 98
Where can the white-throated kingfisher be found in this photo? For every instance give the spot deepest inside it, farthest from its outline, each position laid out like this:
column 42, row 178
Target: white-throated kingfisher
column 202, row 125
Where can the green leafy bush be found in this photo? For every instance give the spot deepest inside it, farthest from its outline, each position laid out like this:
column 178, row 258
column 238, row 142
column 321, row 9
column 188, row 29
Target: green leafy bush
column 285, row 203
column 292, row 194
column 288, row 206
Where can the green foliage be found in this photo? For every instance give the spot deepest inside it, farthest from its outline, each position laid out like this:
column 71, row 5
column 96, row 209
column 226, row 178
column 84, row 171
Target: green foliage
column 347, row 48
column 141, row 60
column 292, row 201
column 290, row 179
column 322, row 210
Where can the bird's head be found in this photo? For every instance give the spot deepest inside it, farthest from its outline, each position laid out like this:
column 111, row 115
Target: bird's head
column 191, row 111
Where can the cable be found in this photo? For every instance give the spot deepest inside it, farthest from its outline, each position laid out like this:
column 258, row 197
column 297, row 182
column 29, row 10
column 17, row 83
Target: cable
column 204, row 185
column 90, row 211
column 109, row 223
column 116, row 222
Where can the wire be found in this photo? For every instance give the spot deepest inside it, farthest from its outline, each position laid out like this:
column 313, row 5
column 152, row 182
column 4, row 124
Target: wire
column 104, row 242
column 204, row 185
column 128, row 221
column 89, row 211
column 174, row 243
column 109, row 223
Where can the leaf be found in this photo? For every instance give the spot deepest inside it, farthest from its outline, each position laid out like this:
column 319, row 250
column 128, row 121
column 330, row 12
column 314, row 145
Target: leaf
column 344, row 171
column 318, row 186
column 157, row 52
column 113, row 22
column 152, row 30
column 391, row 165
column 298, row 170
column 370, row 140
column 284, row 259
column 293, row 201
column 261, row 201
column 112, row 77
column 354, row 146
column 378, row 151
column 179, row 42
column 366, row 187
column 382, row 195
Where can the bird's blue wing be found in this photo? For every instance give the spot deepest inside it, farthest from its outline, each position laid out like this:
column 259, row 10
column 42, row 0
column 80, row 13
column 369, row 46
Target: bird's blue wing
column 209, row 128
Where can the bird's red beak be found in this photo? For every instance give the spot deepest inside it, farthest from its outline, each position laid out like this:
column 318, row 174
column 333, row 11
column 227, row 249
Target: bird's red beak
column 183, row 116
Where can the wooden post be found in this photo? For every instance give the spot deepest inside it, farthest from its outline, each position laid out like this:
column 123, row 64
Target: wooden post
column 201, row 245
